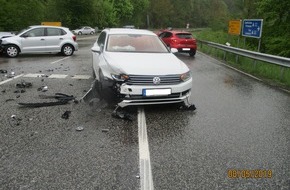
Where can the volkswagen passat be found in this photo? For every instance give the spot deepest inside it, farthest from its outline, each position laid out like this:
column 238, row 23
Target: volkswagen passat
column 40, row 39
column 139, row 67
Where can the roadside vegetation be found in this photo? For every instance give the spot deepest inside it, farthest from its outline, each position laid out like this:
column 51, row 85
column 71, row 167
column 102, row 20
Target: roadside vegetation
column 272, row 74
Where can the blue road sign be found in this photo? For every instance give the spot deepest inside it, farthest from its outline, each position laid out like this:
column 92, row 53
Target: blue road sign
column 252, row 28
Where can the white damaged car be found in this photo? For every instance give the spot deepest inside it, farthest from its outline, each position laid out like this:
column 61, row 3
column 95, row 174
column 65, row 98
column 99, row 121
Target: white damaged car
column 140, row 68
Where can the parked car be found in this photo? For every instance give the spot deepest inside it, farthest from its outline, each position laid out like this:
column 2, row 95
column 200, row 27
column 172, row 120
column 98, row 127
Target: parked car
column 181, row 40
column 129, row 26
column 84, row 30
column 139, row 67
column 40, row 39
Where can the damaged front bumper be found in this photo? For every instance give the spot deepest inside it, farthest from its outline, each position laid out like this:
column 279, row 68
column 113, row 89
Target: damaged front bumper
column 133, row 95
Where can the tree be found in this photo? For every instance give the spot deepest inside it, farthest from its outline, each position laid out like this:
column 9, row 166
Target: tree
column 276, row 28
column 16, row 15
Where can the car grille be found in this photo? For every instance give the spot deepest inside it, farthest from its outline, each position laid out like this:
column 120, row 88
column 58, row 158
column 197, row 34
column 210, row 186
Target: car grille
column 148, row 79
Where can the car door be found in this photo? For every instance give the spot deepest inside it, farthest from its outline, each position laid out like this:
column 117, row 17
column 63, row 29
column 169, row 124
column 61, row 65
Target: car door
column 33, row 41
column 54, row 38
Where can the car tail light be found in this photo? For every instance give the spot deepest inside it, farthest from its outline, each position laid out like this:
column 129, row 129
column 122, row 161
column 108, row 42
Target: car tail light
column 74, row 38
column 174, row 40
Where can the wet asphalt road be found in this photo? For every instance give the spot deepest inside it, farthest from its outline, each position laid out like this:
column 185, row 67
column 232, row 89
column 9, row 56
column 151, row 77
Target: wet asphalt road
column 240, row 124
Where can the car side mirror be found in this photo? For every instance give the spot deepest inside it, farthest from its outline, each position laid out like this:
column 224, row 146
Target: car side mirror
column 174, row 50
column 96, row 49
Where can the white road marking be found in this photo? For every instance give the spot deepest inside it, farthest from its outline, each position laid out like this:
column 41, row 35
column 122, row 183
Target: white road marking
column 81, row 77
column 57, row 76
column 33, row 75
column 5, row 81
column 146, row 180
column 59, row 60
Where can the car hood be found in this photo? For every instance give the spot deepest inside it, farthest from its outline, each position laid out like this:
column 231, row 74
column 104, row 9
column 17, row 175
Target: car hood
column 145, row 63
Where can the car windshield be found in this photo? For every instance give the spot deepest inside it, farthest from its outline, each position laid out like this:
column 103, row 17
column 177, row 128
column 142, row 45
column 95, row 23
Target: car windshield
column 135, row 43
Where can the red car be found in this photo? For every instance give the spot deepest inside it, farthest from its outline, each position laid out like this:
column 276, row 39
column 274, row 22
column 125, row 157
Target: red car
column 181, row 40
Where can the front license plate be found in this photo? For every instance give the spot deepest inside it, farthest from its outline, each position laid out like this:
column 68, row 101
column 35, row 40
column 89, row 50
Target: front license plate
column 156, row 92
column 185, row 49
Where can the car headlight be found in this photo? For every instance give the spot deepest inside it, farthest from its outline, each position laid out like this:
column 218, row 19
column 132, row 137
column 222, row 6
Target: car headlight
column 185, row 76
column 120, row 77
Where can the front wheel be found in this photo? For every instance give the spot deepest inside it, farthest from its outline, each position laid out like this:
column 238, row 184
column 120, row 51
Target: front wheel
column 12, row 51
column 80, row 33
column 67, row 50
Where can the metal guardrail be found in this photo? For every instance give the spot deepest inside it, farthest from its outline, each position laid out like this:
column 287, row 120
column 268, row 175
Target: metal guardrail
column 277, row 60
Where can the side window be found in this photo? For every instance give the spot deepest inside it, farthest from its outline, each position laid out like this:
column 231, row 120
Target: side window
column 54, row 32
column 102, row 38
column 35, row 32
column 167, row 35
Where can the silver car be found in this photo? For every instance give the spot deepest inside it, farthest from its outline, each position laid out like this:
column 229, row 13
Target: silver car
column 84, row 30
column 40, row 39
column 139, row 67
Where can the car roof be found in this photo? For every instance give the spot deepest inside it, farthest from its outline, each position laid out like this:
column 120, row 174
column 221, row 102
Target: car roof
column 47, row 26
column 129, row 31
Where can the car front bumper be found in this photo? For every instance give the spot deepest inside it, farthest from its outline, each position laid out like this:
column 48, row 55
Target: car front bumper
column 134, row 94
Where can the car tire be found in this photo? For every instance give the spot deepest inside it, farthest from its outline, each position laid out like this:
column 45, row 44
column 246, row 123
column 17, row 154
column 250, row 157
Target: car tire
column 92, row 33
column 67, row 50
column 192, row 53
column 12, row 51
column 80, row 33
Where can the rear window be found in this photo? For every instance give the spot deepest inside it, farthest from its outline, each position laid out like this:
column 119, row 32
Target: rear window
column 184, row 36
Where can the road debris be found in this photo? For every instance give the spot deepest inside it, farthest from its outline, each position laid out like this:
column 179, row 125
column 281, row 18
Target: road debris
column 11, row 75
column 80, row 128
column 3, row 71
column 42, row 104
column 43, row 88
column 62, row 99
column 58, row 96
column 105, row 130
column 66, row 114
column 190, row 107
column 24, row 84
column 122, row 115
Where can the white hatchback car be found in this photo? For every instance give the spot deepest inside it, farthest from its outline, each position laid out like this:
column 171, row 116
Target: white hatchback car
column 40, row 39
column 84, row 30
column 139, row 67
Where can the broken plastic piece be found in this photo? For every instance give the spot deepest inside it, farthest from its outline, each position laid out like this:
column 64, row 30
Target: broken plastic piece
column 66, row 115
column 43, row 104
column 80, row 128
column 24, row 84
column 190, row 107
column 3, row 71
column 105, row 130
column 122, row 115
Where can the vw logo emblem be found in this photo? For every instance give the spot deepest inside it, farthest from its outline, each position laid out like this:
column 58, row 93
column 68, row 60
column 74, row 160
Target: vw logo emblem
column 156, row 80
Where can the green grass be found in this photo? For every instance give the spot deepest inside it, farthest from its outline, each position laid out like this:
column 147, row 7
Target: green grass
column 272, row 74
